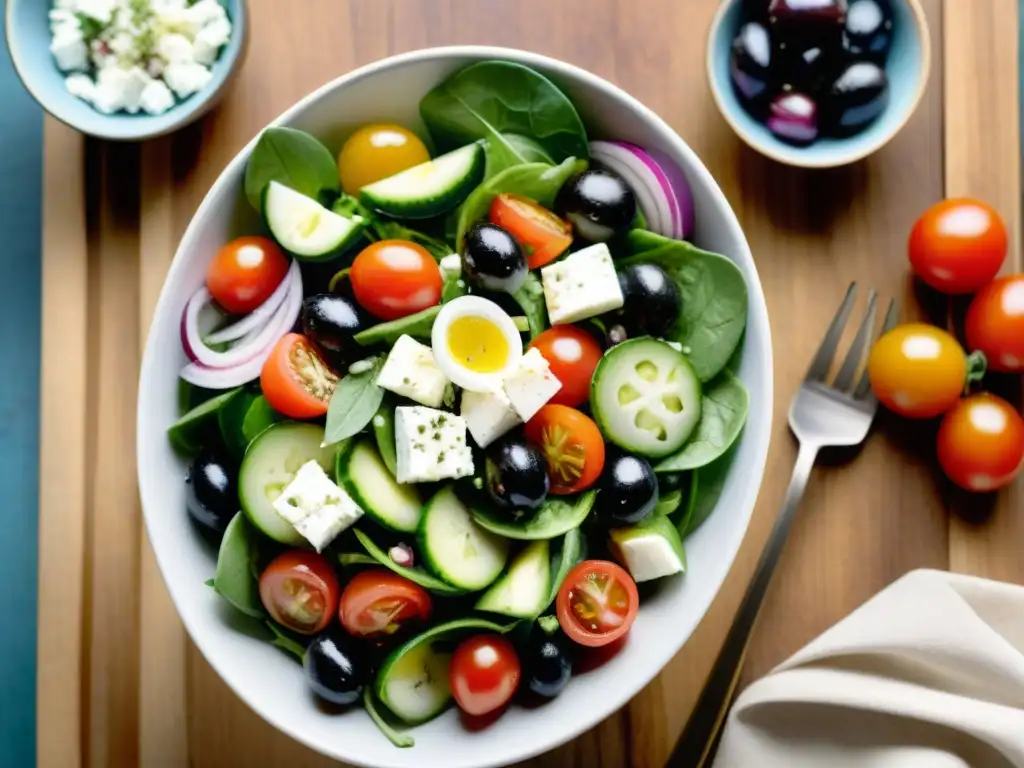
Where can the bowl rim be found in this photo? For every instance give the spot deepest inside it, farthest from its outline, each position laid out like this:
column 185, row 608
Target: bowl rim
column 797, row 158
column 762, row 400
column 181, row 114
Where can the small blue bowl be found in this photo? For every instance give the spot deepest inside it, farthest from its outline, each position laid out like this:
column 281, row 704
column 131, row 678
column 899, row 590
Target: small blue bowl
column 28, row 39
column 907, row 68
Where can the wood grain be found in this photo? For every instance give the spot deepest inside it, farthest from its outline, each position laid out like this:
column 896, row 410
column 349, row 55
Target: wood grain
column 121, row 673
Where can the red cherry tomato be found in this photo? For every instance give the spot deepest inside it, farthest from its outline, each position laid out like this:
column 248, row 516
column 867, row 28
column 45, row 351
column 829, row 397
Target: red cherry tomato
column 377, row 603
column 395, row 278
column 295, row 379
column 572, row 446
column 597, row 603
column 981, row 443
column 484, row 674
column 958, row 245
column 542, row 234
column 573, row 354
column 995, row 324
column 245, row 272
column 300, row 591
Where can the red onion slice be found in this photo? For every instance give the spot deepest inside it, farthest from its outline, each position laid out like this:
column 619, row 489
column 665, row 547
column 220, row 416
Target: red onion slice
column 650, row 195
column 681, row 188
column 259, row 316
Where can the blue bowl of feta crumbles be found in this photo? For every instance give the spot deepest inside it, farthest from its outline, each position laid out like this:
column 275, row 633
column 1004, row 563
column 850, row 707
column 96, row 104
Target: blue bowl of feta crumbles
column 126, row 70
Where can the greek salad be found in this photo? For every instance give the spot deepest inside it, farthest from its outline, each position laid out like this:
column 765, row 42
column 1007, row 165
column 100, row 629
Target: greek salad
column 459, row 399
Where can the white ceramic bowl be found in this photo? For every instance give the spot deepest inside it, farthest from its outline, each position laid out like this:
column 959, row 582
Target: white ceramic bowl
column 265, row 678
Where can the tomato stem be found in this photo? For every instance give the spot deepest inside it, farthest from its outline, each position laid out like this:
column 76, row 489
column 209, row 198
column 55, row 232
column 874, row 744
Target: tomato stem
column 977, row 366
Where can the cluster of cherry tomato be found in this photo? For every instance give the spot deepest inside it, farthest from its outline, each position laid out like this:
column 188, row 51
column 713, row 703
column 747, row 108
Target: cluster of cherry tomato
column 920, row 371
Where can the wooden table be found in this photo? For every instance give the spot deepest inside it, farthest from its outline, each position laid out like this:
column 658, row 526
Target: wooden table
column 119, row 682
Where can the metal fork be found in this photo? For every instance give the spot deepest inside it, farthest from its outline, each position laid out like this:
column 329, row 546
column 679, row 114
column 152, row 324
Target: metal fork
column 821, row 415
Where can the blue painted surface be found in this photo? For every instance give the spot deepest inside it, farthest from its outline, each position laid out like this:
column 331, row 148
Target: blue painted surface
column 21, row 137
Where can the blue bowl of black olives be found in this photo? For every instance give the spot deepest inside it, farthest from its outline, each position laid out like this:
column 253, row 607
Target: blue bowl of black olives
column 818, row 83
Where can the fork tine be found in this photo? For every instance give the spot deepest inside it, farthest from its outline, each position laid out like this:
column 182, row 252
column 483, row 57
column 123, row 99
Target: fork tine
column 892, row 316
column 844, row 380
column 823, row 357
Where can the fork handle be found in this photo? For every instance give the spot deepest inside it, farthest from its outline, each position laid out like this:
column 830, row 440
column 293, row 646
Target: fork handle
column 697, row 745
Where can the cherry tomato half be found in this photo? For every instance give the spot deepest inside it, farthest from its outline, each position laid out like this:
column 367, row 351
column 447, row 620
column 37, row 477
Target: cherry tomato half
column 395, row 278
column 917, row 370
column 981, row 443
column 245, row 272
column 597, row 603
column 377, row 151
column 958, row 245
column 377, row 603
column 300, row 591
column 542, row 234
column 484, row 673
column 572, row 446
column 995, row 324
column 295, row 379
column 573, row 354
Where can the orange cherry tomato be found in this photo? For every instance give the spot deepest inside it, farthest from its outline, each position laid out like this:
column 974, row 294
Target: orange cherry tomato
column 995, row 324
column 597, row 603
column 572, row 446
column 981, row 443
column 572, row 354
column 377, row 603
column 377, row 151
column 917, row 370
column 484, row 673
column 542, row 234
column 295, row 379
column 958, row 245
column 300, row 591
column 395, row 278
column 245, row 272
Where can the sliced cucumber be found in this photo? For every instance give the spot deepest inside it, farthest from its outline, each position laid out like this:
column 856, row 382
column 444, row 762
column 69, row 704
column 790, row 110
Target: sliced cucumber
column 270, row 464
column 646, row 397
column 650, row 549
column 430, row 188
column 362, row 472
column 457, row 549
column 522, row 592
column 191, row 433
column 305, row 228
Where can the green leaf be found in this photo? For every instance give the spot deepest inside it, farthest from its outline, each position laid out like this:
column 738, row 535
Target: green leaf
column 530, row 297
column 384, row 434
column 724, row 406
column 399, row 739
column 454, row 287
column 234, row 579
column 555, row 517
column 355, row 559
column 713, row 311
column 392, row 230
column 669, row 502
column 414, row 574
column 231, row 420
column 293, row 158
column 194, row 430
column 563, row 560
column 286, row 642
column 208, row 582
column 418, row 326
column 353, row 404
column 259, row 416
column 708, row 483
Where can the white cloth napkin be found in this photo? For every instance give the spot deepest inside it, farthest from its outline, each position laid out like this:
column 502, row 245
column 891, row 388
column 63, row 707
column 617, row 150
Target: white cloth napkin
column 929, row 673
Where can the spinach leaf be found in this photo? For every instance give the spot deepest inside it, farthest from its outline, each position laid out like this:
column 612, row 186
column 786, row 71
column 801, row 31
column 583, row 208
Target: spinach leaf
column 713, row 313
column 418, row 326
column 416, row 574
column 526, row 151
column 724, row 405
column 353, row 404
column 392, row 230
column 537, row 181
column 231, row 420
column 708, row 482
column 530, row 297
column 355, row 559
column 563, row 560
column 384, row 434
column 492, row 99
column 234, row 579
column 286, row 641
column 198, row 427
column 259, row 416
column 556, row 516
column 295, row 159
column 452, row 288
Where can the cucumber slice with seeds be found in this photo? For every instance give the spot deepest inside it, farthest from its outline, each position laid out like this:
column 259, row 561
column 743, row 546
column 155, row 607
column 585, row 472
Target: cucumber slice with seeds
column 362, row 472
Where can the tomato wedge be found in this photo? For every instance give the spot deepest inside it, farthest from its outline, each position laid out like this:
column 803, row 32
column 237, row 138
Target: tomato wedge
column 597, row 603
column 572, row 446
column 295, row 380
column 299, row 591
column 377, row 604
column 542, row 234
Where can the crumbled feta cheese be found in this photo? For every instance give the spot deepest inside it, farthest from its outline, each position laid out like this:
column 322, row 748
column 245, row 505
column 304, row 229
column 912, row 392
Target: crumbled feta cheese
column 110, row 89
column 186, row 78
column 174, row 49
column 81, row 86
column 156, row 98
column 206, row 12
column 317, row 508
column 410, row 371
column 531, row 385
column 209, row 40
column 69, row 49
column 582, row 285
column 134, row 86
column 488, row 415
column 450, row 266
column 100, row 10
column 430, row 445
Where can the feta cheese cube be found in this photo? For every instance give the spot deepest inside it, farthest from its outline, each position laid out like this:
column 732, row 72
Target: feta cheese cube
column 134, row 85
column 531, row 385
column 410, row 371
column 206, row 12
column 209, row 41
column 81, row 86
column 111, row 86
column 174, row 49
column 450, row 266
column 156, row 98
column 582, row 285
column 185, row 78
column 431, row 445
column 69, row 49
column 488, row 415
column 177, row 20
column 317, row 508
column 648, row 558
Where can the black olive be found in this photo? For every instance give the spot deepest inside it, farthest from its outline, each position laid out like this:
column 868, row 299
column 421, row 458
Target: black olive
column 331, row 321
column 337, row 667
column 598, row 203
column 547, row 664
column 750, row 61
column 858, row 96
column 793, row 117
column 212, row 492
column 493, row 260
column 868, row 32
column 629, row 490
column 651, row 300
column 671, row 481
column 516, row 474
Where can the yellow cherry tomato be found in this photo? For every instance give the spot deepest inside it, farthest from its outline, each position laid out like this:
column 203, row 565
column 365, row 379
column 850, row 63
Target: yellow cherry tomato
column 917, row 370
column 375, row 152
